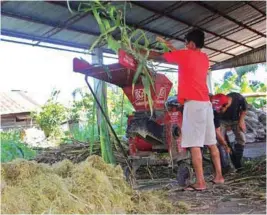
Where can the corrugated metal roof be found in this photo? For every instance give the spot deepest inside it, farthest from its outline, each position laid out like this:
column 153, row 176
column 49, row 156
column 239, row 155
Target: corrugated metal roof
column 16, row 102
column 231, row 27
column 258, row 55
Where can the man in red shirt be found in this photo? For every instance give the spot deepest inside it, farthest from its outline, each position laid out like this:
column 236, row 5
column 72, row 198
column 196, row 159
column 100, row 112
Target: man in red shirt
column 198, row 127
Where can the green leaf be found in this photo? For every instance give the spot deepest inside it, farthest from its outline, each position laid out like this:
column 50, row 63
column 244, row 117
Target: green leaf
column 147, row 85
column 98, row 40
column 113, row 44
column 137, row 74
column 99, row 20
column 118, row 18
column 142, row 36
column 112, row 11
column 106, row 24
column 163, row 46
column 104, row 35
column 149, row 78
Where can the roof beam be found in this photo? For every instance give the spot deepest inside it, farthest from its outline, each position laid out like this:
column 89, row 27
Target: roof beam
column 3, row 2
column 158, row 33
column 189, row 24
column 44, row 22
column 21, row 35
column 255, row 8
column 179, row 39
column 257, row 55
column 231, row 31
column 167, row 10
column 204, row 5
column 154, row 17
column 212, row 17
column 81, row 51
column 44, row 46
column 248, row 40
column 78, row 16
column 239, row 28
column 67, row 23
column 56, row 25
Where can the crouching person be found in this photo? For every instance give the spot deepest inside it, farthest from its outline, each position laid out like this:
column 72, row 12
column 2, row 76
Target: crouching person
column 230, row 115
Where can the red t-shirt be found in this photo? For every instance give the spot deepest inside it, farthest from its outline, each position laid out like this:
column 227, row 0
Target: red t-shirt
column 193, row 70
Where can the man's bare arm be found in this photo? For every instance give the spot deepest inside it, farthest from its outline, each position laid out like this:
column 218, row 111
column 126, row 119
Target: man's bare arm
column 221, row 140
column 242, row 115
column 155, row 55
column 167, row 43
column 242, row 123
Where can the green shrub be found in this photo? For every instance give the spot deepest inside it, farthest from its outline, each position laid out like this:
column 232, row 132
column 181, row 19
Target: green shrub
column 12, row 147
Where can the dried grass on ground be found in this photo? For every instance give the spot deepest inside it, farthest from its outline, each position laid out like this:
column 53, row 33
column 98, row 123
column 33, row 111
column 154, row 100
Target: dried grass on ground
column 66, row 188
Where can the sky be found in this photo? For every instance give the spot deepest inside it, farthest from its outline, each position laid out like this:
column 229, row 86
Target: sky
column 260, row 75
column 39, row 70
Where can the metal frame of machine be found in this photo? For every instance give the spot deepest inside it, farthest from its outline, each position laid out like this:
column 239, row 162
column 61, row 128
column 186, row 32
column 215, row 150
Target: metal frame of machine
column 149, row 135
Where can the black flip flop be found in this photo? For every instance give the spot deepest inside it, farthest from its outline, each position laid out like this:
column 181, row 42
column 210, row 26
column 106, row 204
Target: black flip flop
column 213, row 182
column 192, row 188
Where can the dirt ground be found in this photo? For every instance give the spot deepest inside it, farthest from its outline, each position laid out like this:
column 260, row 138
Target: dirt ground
column 219, row 200
column 240, row 197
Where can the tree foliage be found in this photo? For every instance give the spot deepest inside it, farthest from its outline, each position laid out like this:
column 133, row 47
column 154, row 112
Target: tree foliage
column 244, row 70
column 51, row 116
column 239, row 83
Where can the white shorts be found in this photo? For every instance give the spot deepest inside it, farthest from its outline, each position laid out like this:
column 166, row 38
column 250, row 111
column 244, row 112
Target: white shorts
column 198, row 126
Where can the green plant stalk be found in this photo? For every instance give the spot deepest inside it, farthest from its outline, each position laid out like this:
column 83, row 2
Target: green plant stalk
column 107, row 151
column 122, row 103
column 92, row 136
column 105, row 143
column 111, row 18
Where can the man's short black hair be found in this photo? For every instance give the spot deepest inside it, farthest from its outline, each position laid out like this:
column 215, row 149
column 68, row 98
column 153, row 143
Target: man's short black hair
column 197, row 36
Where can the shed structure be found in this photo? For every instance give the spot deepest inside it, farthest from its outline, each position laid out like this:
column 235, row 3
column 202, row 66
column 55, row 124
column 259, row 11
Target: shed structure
column 235, row 30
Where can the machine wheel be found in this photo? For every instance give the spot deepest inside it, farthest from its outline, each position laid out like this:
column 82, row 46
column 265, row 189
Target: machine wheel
column 128, row 175
column 126, row 172
column 225, row 162
column 184, row 173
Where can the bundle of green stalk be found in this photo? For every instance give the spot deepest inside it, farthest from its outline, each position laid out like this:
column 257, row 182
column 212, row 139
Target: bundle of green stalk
column 117, row 34
column 89, row 187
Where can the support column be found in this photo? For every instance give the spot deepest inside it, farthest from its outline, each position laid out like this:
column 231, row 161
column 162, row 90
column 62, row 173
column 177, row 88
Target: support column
column 210, row 82
column 100, row 89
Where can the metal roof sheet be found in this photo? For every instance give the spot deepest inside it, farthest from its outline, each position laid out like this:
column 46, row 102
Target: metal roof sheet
column 231, row 27
column 16, row 102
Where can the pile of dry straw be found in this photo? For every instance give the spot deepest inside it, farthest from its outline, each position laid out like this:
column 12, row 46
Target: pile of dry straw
column 89, row 187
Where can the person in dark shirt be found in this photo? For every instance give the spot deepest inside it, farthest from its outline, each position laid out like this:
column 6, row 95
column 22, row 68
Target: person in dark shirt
column 230, row 115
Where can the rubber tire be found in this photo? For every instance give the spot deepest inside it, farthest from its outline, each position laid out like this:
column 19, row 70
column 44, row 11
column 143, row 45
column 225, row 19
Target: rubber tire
column 126, row 172
column 184, row 173
column 225, row 162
